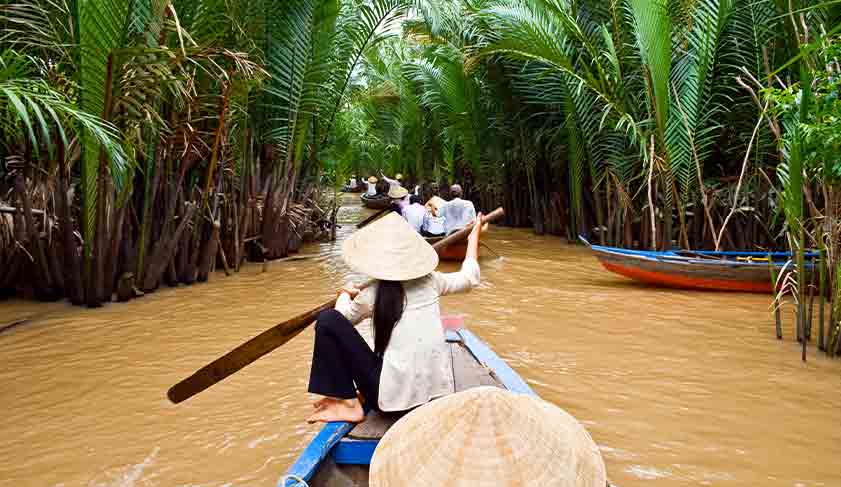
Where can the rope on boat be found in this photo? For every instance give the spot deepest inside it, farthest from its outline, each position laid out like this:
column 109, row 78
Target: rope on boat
column 298, row 481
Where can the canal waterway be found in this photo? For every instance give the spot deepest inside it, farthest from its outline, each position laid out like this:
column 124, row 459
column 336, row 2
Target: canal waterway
column 678, row 388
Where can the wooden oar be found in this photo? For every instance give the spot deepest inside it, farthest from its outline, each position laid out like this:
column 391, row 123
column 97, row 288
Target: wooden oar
column 372, row 217
column 278, row 335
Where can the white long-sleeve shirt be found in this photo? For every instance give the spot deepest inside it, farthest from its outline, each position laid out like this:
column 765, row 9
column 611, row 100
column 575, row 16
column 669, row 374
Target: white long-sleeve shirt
column 457, row 214
column 417, row 366
column 372, row 189
column 414, row 214
column 392, row 183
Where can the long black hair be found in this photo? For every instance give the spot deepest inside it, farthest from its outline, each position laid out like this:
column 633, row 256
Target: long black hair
column 388, row 308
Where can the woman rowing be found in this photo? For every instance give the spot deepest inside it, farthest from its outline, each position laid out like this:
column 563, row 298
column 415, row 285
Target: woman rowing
column 410, row 363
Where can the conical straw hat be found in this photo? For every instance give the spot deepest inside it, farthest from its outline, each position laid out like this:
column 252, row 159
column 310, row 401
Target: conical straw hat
column 372, row 180
column 487, row 437
column 397, row 192
column 390, row 249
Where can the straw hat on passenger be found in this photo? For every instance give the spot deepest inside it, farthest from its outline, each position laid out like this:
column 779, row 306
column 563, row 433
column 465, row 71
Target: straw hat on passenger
column 390, row 249
column 398, row 177
column 372, row 180
column 397, row 192
column 487, row 437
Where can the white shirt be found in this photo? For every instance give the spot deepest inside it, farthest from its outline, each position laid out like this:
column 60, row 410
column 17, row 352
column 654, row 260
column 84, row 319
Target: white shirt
column 417, row 366
column 414, row 214
column 392, row 183
column 433, row 224
column 352, row 182
column 372, row 189
column 457, row 214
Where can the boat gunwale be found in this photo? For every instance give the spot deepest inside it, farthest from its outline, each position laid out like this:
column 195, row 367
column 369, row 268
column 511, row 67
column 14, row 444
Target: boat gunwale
column 677, row 260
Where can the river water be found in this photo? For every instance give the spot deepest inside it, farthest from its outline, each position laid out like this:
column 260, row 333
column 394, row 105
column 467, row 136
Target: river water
column 678, row 388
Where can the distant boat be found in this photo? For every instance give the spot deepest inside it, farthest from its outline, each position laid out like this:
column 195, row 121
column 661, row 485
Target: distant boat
column 697, row 269
column 340, row 454
column 378, row 202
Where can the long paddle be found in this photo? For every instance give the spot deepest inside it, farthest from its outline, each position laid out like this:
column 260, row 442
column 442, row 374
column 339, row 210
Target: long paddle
column 278, row 335
column 372, row 217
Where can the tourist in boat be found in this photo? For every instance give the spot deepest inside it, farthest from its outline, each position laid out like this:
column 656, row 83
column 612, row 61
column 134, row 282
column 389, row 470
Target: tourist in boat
column 372, row 186
column 410, row 363
column 433, row 222
column 414, row 213
column 457, row 212
column 399, row 198
column 397, row 182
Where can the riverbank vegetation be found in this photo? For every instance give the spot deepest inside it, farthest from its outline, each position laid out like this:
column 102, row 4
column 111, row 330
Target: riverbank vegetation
column 705, row 124
column 147, row 141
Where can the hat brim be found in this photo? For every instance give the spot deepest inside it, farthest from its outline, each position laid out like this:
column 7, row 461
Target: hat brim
column 398, row 192
column 389, row 249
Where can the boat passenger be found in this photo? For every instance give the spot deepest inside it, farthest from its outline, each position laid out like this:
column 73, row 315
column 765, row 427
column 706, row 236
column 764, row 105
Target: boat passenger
column 352, row 184
column 433, row 222
column 410, row 363
column 414, row 213
column 399, row 198
column 397, row 182
column 372, row 186
column 457, row 212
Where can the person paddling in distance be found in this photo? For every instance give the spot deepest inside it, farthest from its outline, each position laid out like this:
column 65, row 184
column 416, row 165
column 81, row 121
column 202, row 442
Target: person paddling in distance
column 372, row 186
column 410, row 363
column 397, row 182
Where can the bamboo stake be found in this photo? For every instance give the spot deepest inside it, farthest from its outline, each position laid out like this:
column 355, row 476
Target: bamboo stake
column 777, row 301
column 822, row 293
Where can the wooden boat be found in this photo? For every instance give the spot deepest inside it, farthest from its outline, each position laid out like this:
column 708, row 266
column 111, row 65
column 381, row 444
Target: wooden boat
column 379, row 202
column 698, row 269
column 353, row 189
column 340, row 453
column 454, row 252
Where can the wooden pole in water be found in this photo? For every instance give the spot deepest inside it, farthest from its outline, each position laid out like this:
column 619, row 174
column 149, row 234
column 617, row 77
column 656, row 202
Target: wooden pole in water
column 808, row 331
column 777, row 301
column 822, row 292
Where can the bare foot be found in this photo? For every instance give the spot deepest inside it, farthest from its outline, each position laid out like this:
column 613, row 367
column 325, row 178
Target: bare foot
column 349, row 410
column 323, row 402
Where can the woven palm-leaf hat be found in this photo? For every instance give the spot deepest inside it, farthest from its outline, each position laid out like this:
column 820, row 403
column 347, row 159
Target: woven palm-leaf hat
column 487, row 437
column 372, row 180
column 397, row 192
column 398, row 177
column 390, row 249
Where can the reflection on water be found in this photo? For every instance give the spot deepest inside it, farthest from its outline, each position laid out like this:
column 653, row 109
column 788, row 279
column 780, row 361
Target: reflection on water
column 678, row 388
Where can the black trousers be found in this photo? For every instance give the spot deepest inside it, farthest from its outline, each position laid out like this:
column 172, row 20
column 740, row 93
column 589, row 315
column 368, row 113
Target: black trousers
column 427, row 234
column 342, row 361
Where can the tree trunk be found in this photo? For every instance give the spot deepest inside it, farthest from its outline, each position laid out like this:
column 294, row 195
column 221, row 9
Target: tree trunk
column 73, row 276
column 209, row 252
column 163, row 251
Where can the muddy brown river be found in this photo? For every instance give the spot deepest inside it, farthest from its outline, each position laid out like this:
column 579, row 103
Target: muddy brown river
column 678, row 388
